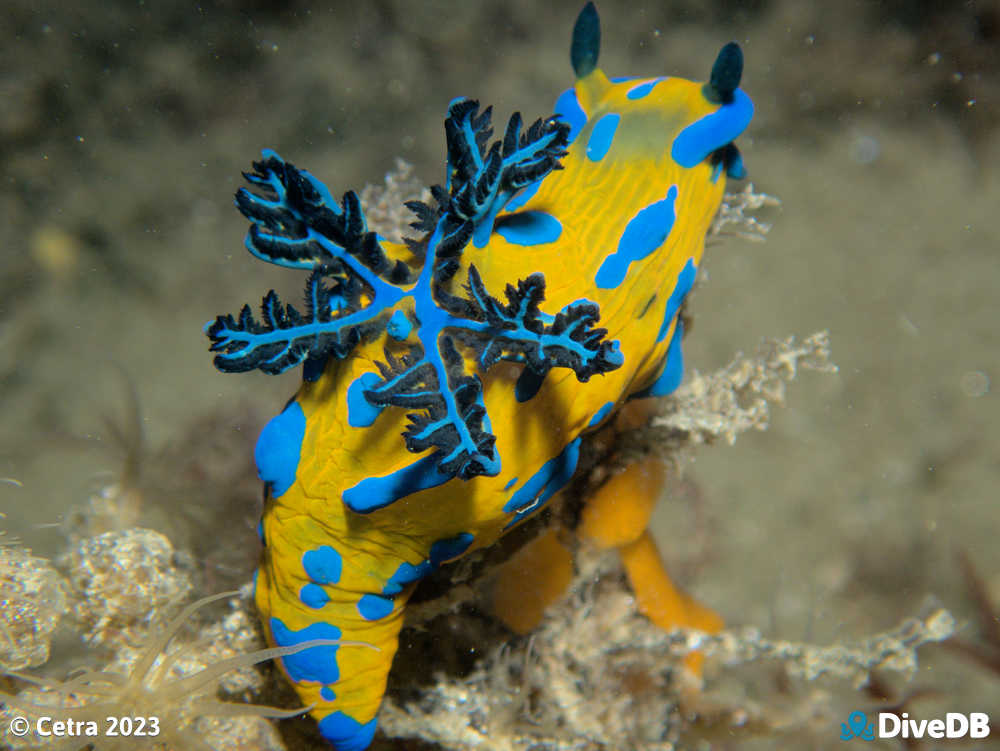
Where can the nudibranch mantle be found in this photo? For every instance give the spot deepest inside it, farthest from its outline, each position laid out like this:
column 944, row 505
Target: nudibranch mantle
column 597, row 214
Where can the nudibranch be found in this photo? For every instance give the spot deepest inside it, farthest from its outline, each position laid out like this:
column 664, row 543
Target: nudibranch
column 597, row 214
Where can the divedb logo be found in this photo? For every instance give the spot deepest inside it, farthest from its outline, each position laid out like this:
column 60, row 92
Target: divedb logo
column 892, row 725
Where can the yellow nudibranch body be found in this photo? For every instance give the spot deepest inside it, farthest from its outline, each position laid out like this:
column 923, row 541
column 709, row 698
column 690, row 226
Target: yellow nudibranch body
column 492, row 398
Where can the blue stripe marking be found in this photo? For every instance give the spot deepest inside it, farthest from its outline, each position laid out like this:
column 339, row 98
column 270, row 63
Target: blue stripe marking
column 449, row 548
column 529, row 228
column 545, row 483
column 440, row 552
column 405, row 575
column 644, row 233
column 602, row 136
column 673, row 369
column 360, row 412
column 374, row 493
column 642, row 90
column 685, row 281
column 318, row 664
column 374, row 607
column 568, row 106
column 693, row 144
column 323, row 565
column 314, row 596
column 345, row 733
column 512, row 483
column 598, row 418
column 279, row 448
column 424, row 473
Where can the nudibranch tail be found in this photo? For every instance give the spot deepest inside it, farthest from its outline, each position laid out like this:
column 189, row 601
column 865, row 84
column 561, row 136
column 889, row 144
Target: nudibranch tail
column 318, row 597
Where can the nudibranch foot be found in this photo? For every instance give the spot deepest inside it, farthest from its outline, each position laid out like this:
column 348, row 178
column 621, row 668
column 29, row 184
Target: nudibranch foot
column 659, row 599
column 617, row 516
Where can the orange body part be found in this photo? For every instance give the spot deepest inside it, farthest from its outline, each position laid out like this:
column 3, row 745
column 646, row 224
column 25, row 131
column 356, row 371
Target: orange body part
column 616, row 516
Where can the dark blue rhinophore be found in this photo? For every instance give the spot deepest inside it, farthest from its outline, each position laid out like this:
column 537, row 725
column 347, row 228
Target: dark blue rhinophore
column 726, row 74
column 713, row 135
column 586, row 44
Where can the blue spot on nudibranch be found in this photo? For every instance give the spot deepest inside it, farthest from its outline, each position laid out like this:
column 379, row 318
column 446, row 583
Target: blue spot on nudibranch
column 673, row 369
column 568, row 107
column 374, row 493
column 693, row 144
column 327, row 693
column 643, row 89
column 644, row 233
column 345, row 733
column 314, row 596
column 451, row 547
column 360, row 412
column 512, row 483
column 399, row 326
column 318, row 664
column 279, row 448
column 374, row 607
column 529, row 228
column 685, row 281
column 545, row 483
column 601, row 136
column 323, row 565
